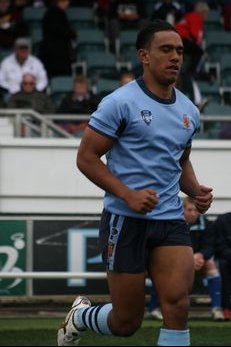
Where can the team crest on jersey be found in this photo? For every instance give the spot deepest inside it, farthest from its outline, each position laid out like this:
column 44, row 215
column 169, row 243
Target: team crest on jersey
column 186, row 121
column 146, row 116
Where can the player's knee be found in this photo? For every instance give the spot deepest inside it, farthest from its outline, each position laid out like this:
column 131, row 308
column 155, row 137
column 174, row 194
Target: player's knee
column 126, row 328
column 177, row 305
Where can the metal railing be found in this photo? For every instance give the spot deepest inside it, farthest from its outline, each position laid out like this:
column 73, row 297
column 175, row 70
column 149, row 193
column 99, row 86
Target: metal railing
column 53, row 275
column 29, row 123
column 212, row 119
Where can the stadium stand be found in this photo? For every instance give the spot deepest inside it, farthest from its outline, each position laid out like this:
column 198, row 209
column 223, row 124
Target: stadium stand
column 90, row 40
column 33, row 16
column 59, row 87
column 81, row 17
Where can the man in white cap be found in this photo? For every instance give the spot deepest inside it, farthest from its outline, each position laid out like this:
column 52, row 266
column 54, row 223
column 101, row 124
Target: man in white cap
column 18, row 63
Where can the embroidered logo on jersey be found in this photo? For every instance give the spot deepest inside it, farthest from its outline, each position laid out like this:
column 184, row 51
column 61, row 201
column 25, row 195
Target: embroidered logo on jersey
column 186, row 121
column 146, row 116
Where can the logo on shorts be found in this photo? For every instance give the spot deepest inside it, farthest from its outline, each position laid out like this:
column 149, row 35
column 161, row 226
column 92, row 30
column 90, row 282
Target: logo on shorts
column 146, row 116
column 186, row 121
column 110, row 248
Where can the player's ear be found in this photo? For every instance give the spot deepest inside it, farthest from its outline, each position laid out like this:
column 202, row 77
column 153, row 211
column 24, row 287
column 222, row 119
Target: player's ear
column 143, row 56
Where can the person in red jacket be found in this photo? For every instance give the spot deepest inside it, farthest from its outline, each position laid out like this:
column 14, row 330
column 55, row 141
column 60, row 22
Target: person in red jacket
column 191, row 30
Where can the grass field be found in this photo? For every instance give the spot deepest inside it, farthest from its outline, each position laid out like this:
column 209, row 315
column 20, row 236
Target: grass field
column 42, row 332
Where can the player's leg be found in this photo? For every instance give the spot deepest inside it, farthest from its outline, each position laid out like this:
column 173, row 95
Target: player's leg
column 122, row 317
column 213, row 281
column 172, row 270
column 122, row 241
column 128, row 301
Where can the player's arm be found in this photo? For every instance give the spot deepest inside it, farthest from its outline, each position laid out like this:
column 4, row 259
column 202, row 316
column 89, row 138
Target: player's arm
column 93, row 146
column 190, row 186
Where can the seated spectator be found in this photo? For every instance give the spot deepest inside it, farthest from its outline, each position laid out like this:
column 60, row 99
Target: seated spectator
column 225, row 132
column 57, row 52
column 124, row 15
column 168, row 10
column 80, row 102
column 220, row 246
column 126, row 76
column 17, row 64
column 200, row 229
column 28, row 97
column 11, row 24
column 222, row 229
column 191, row 30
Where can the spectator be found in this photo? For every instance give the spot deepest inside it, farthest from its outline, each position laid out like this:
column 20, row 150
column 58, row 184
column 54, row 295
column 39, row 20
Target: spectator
column 11, row 25
column 222, row 249
column 57, row 51
column 29, row 97
column 19, row 5
column 101, row 9
column 126, row 77
column 17, row 64
column 123, row 15
column 200, row 229
column 168, row 10
column 226, row 14
column 225, row 131
column 80, row 101
column 219, row 244
column 191, row 30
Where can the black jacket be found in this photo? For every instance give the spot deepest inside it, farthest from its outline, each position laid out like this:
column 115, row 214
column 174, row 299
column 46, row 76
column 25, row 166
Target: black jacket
column 56, row 47
column 217, row 243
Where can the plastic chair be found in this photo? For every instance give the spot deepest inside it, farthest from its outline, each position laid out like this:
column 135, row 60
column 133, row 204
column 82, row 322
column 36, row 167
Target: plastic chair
column 105, row 86
column 59, row 87
column 217, row 109
column 126, row 41
column 100, row 64
column 213, row 21
column 81, row 17
column 218, row 43
column 91, row 40
column 212, row 91
column 33, row 16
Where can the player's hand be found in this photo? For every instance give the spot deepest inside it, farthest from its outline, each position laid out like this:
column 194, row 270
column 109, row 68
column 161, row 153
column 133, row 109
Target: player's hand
column 142, row 201
column 198, row 261
column 203, row 199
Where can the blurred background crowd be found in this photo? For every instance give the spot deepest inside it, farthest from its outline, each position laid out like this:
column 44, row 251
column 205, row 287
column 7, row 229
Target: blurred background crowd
column 63, row 56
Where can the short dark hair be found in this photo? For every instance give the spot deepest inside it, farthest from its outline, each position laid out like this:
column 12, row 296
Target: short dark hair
column 145, row 35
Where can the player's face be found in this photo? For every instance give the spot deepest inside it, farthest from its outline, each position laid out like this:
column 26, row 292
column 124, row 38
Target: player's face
column 190, row 212
column 164, row 57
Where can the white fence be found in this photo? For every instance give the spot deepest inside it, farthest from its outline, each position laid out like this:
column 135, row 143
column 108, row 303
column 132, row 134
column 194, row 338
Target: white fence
column 39, row 176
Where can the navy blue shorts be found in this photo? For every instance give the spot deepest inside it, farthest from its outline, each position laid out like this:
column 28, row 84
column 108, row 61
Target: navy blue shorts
column 125, row 242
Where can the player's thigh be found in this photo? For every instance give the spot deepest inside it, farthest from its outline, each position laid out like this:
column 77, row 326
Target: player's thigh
column 127, row 294
column 172, row 270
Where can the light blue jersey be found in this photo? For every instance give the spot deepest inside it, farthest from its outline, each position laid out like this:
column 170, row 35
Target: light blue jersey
column 150, row 135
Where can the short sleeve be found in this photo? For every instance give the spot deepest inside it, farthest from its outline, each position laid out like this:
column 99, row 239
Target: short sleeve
column 107, row 119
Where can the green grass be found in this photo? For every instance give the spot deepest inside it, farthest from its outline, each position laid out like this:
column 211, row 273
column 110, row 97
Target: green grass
column 42, row 332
